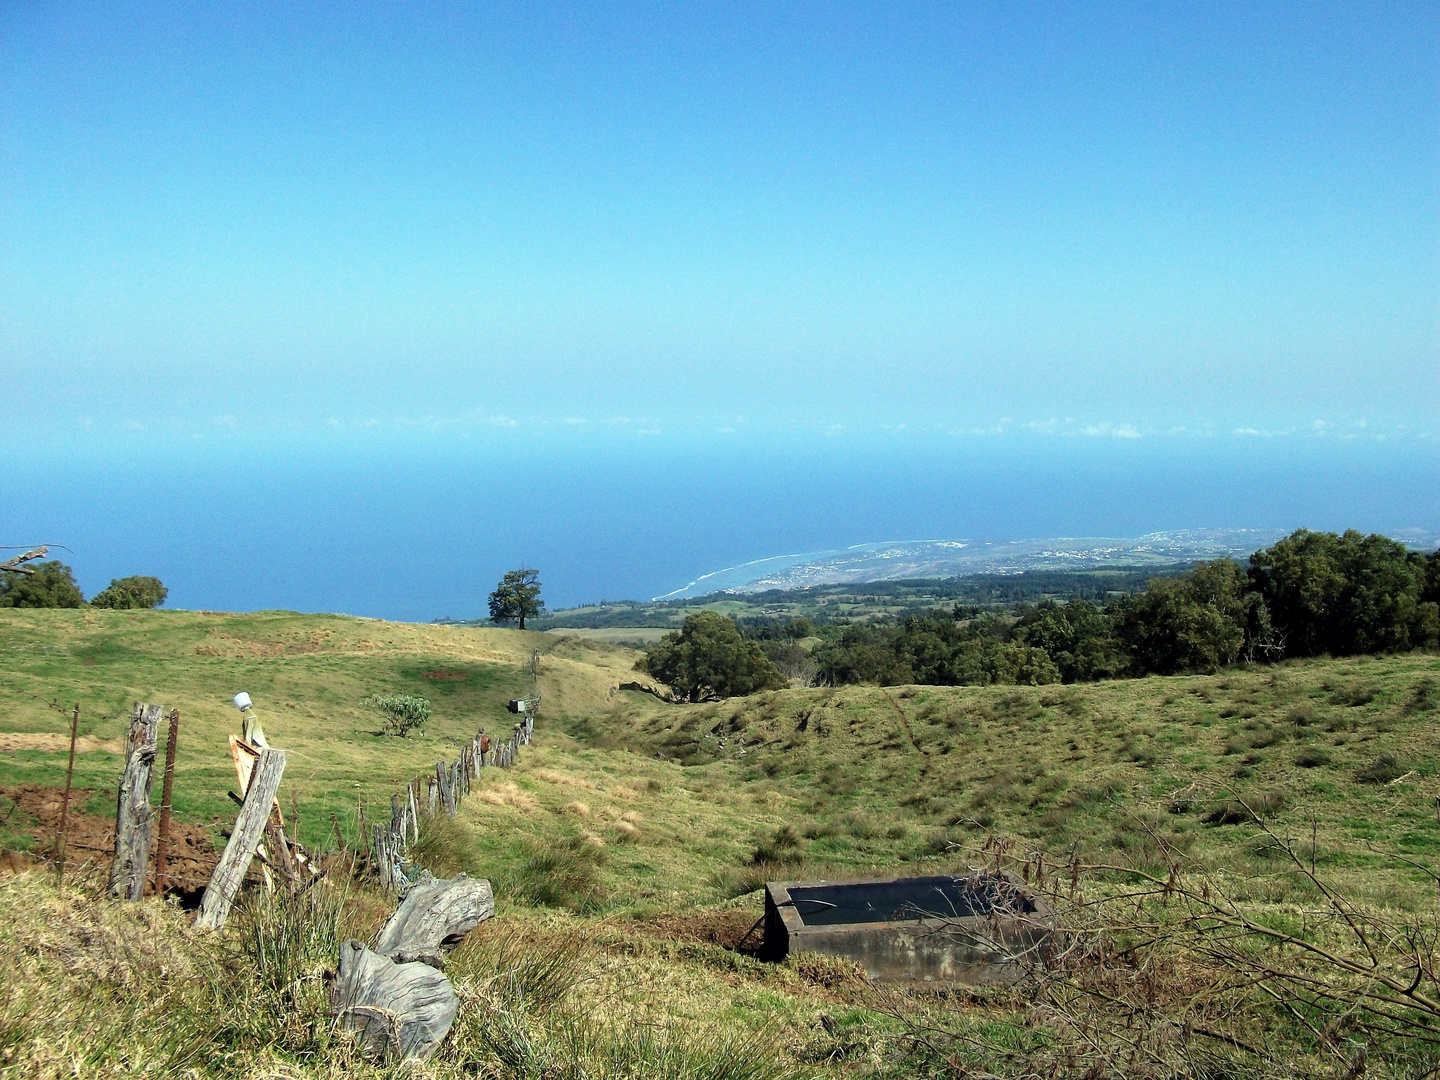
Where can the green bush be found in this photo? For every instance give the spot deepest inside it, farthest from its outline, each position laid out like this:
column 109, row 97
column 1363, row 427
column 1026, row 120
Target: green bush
column 131, row 593
column 52, row 585
column 403, row 712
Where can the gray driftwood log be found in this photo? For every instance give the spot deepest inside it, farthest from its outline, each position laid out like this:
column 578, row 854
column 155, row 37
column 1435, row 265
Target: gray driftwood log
column 240, row 849
column 132, row 812
column 398, row 1011
column 434, row 917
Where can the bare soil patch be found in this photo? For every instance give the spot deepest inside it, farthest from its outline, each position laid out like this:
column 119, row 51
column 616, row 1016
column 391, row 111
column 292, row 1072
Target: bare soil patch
column 738, row 931
column 189, row 863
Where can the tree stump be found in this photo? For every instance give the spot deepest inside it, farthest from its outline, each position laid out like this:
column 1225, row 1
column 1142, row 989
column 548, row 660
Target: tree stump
column 434, row 917
column 397, row 1011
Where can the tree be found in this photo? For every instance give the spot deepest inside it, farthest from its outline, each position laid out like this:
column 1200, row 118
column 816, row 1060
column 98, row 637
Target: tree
column 131, row 592
column 1192, row 623
column 708, row 658
column 1079, row 637
column 52, row 585
column 517, row 597
column 862, row 653
column 1345, row 594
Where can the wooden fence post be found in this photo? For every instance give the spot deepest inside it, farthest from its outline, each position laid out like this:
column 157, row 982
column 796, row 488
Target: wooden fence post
column 64, row 836
column 240, row 849
column 447, row 793
column 132, row 809
column 162, row 850
column 284, row 862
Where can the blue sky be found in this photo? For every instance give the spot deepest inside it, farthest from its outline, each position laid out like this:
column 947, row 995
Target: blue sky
column 360, row 232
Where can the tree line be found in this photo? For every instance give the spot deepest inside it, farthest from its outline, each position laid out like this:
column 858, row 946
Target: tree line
column 1311, row 594
column 52, row 585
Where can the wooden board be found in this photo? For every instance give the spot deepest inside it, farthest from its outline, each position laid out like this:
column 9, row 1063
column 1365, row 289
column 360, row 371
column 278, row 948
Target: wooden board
column 249, row 827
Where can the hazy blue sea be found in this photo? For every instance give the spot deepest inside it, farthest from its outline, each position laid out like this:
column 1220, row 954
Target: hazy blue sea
column 416, row 534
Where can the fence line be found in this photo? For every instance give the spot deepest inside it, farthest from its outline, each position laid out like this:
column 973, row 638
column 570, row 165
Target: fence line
column 444, row 790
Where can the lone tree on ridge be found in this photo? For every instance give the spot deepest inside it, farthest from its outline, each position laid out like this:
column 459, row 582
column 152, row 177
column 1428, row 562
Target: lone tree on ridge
column 131, row 592
column 517, row 597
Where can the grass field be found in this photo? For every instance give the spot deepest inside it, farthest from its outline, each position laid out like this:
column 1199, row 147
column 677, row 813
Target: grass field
column 309, row 676
column 644, row 829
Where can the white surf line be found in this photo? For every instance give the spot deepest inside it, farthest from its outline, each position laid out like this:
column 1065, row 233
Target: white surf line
column 726, row 570
column 801, row 555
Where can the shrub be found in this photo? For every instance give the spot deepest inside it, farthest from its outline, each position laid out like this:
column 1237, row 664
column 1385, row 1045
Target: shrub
column 403, row 712
column 1312, row 757
column 1382, row 770
column 51, row 585
column 131, row 593
column 563, row 875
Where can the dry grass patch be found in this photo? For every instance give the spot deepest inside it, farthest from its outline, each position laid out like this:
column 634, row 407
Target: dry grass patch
column 508, row 794
column 550, row 776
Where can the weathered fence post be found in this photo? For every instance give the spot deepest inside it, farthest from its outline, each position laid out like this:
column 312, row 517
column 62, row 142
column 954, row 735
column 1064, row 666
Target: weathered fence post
column 132, row 810
column 240, row 849
column 162, row 850
column 447, row 793
column 399, row 831
column 414, row 812
column 284, row 862
column 64, row 835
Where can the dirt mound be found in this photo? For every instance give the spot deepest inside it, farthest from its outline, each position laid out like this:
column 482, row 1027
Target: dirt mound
column 739, row 931
column 35, row 809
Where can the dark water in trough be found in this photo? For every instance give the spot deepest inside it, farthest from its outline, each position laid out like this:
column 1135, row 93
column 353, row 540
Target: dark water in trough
column 906, row 899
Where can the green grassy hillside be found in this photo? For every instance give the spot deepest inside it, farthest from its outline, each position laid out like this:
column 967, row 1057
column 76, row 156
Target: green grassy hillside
column 309, row 676
column 872, row 777
column 631, row 839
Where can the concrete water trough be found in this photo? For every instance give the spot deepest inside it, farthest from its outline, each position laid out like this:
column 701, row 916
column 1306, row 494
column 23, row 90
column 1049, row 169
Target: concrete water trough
column 977, row 930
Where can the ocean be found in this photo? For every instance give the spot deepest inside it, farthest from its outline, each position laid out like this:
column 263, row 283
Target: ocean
column 417, row 532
